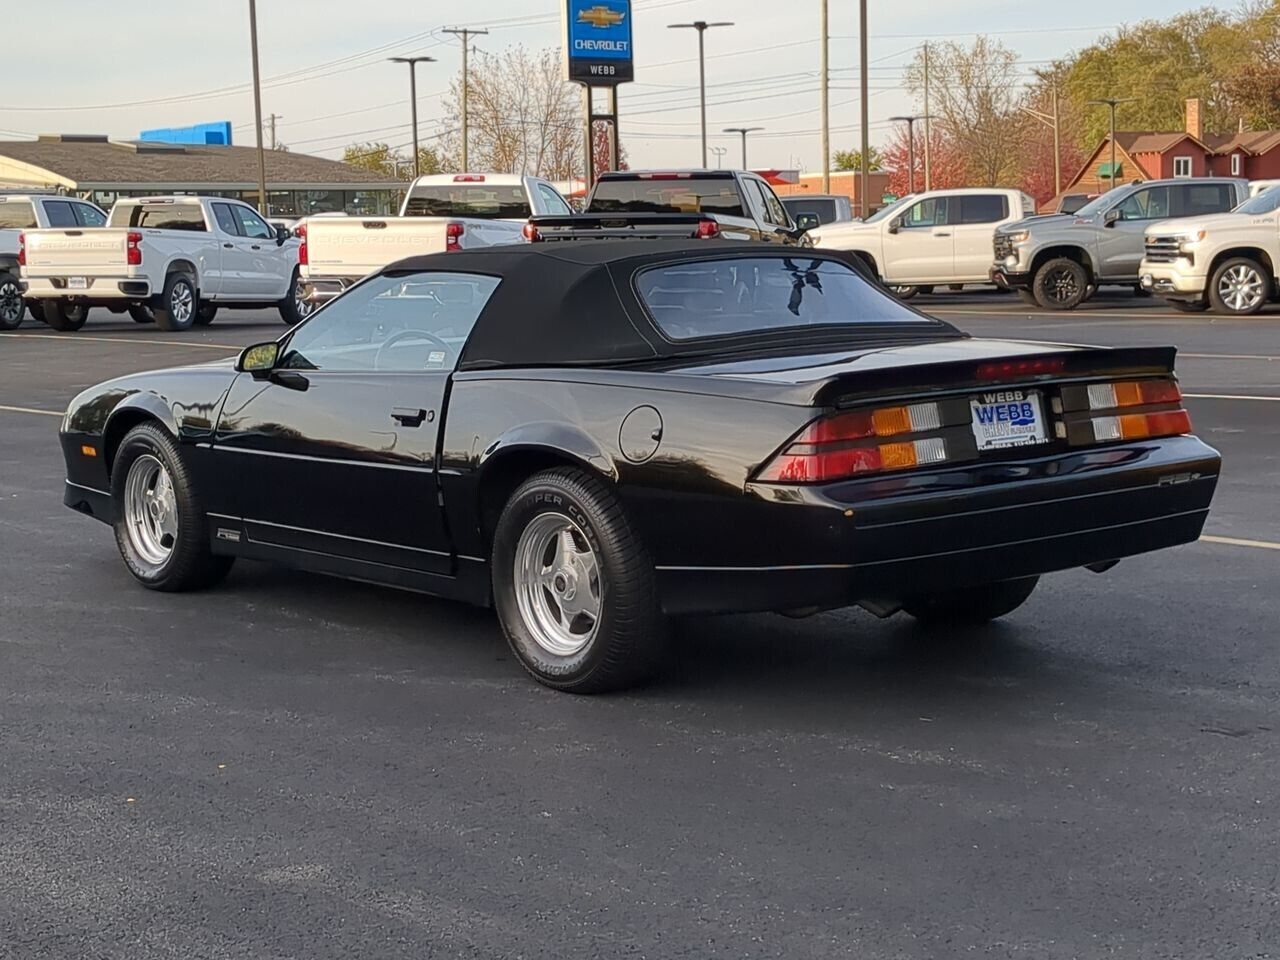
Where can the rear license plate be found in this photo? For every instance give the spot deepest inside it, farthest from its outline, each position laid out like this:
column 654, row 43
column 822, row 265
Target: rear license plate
column 77, row 283
column 1008, row 418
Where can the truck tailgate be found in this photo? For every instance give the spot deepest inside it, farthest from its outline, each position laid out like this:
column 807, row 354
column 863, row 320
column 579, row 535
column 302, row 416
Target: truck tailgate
column 356, row 246
column 94, row 252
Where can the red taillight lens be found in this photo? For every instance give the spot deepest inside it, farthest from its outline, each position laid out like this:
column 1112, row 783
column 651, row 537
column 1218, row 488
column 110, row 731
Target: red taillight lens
column 453, row 232
column 531, row 233
column 22, row 249
column 133, row 250
column 1132, row 393
column 1141, row 426
column 300, row 231
column 707, row 230
column 1125, row 395
column 1015, row 369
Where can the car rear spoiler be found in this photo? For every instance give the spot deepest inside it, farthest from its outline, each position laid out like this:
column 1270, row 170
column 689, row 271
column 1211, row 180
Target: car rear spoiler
column 626, row 226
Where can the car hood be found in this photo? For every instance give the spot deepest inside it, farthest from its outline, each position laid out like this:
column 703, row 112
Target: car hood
column 1039, row 220
column 1194, row 224
column 832, row 234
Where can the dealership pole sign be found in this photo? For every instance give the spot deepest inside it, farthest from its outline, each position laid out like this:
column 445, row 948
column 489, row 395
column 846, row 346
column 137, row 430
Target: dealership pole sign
column 598, row 41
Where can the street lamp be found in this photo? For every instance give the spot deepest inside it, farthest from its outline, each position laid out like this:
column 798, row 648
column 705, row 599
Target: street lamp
column 1112, row 103
column 701, row 26
column 744, row 131
column 413, row 101
column 719, row 152
column 911, row 148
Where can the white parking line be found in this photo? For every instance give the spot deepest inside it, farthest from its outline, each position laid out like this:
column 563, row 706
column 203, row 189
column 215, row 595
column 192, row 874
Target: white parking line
column 134, row 341
column 1234, row 542
column 43, row 413
column 1227, row 396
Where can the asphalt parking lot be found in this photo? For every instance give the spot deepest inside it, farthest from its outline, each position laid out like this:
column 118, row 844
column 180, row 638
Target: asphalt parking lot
column 297, row 767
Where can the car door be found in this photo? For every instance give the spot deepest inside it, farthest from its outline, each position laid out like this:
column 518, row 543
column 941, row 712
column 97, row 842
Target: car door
column 776, row 217
column 757, row 227
column 337, row 454
column 545, row 199
column 268, row 270
column 918, row 244
column 973, row 233
column 233, row 275
column 1121, row 244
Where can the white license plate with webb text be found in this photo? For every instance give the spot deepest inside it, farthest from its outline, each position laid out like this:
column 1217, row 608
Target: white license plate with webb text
column 1008, row 418
column 77, row 283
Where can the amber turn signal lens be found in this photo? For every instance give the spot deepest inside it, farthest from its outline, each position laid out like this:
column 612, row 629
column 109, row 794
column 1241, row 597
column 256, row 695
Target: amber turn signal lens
column 88, row 451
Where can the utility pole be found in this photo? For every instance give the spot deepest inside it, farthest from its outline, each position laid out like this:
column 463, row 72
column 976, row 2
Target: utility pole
column 1053, row 122
column 911, row 148
column 928, row 138
column 1112, row 103
column 465, row 33
column 271, row 121
column 719, row 153
column 413, row 103
column 702, row 27
column 863, row 106
column 257, row 108
column 744, row 131
column 826, row 101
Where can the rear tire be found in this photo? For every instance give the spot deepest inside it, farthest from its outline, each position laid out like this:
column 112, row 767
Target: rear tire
column 12, row 308
column 65, row 317
column 206, row 313
column 974, row 606
column 904, row 293
column 574, row 586
column 1028, row 297
column 1061, row 284
column 141, row 313
column 1240, row 287
column 293, row 308
column 1189, row 306
column 36, row 309
column 161, row 528
column 178, row 303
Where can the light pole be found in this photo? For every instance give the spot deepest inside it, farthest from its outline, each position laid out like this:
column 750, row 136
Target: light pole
column 413, row 101
column 911, row 148
column 701, row 26
column 1112, row 103
column 866, row 133
column 257, row 109
column 744, row 131
column 826, row 100
column 719, row 152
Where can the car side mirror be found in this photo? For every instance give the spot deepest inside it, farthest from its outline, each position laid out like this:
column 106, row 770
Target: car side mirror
column 806, row 222
column 1111, row 218
column 282, row 234
column 259, row 359
column 895, row 225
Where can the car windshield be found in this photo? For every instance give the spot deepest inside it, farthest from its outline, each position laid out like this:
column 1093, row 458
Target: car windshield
column 678, row 193
column 1266, row 202
column 891, row 209
column 718, row 298
column 1095, row 206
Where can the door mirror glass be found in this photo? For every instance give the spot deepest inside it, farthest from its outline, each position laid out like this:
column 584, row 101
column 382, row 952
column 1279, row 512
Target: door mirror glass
column 806, row 222
column 259, row 359
column 1111, row 216
column 895, row 224
column 282, row 234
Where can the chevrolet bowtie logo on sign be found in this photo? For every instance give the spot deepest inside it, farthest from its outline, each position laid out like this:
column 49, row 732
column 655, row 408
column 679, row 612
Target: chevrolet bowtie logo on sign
column 601, row 16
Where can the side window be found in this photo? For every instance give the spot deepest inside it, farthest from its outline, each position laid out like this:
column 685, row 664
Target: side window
column 552, row 200
column 1197, row 199
column 406, row 323
column 60, row 214
column 17, row 215
column 927, row 213
column 1149, row 204
column 983, row 208
column 88, row 216
column 777, row 212
column 755, row 200
column 227, row 221
column 252, row 225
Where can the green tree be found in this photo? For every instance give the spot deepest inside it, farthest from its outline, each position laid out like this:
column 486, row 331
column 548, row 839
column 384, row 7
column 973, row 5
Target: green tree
column 388, row 162
column 845, row 160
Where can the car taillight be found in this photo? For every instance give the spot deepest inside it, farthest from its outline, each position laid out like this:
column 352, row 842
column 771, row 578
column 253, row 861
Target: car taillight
column 531, row 233
column 22, row 249
column 707, row 230
column 453, row 232
column 300, row 231
column 1018, row 369
column 133, row 252
column 843, row 445
column 1114, row 399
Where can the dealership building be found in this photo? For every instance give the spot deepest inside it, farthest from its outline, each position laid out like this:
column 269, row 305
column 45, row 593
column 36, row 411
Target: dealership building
column 100, row 169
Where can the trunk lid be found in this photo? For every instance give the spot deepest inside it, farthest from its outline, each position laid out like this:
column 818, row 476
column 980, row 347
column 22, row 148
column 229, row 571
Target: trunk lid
column 356, row 246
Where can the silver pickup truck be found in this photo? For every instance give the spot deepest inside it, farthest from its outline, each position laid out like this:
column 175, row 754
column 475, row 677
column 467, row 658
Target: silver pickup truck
column 1058, row 261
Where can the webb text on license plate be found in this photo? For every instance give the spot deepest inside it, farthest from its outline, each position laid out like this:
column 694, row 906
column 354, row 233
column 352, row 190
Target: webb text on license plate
column 1008, row 418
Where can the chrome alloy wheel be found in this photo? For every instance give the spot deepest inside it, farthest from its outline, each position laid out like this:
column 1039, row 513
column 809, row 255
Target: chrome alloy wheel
column 558, row 584
column 301, row 304
column 181, row 303
column 150, row 510
column 1242, row 288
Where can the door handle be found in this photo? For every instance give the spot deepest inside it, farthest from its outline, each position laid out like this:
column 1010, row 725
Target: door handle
column 942, row 234
column 229, row 246
column 408, row 417
column 255, row 247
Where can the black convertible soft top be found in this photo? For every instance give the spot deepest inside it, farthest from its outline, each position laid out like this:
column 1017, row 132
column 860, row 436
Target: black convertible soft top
column 572, row 304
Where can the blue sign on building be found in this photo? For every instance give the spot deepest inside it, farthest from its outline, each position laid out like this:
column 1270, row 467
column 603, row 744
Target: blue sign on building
column 598, row 41
column 202, row 135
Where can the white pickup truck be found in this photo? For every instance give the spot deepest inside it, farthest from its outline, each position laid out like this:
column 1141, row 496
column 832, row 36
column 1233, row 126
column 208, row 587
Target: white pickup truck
column 172, row 259
column 31, row 211
column 440, row 213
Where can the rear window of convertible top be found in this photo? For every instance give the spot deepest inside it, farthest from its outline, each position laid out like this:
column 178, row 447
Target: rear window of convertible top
column 739, row 295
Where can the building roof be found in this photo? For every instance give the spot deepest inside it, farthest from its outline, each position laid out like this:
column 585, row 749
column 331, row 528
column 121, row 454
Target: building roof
column 100, row 163
column 1256, row 142
column 1153, row 141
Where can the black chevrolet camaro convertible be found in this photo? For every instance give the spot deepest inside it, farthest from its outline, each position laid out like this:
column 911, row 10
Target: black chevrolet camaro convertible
column 595, row 436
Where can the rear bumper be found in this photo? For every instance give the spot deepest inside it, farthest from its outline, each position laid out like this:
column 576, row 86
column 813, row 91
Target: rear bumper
column 836, row 546
column 95, row 289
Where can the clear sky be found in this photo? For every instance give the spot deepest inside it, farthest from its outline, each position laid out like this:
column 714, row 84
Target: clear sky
column 90, row 66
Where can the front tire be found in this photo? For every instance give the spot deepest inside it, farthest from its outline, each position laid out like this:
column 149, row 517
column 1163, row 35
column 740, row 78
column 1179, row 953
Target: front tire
column 904, row 293
column 294, row 308
column 1061, row 284
column 1189, row 306
column 141, row 313
column 161, row 529
column 65, row 317
column 574, row 586
column 1239, row 287
column 178, row 303
column 973, row 606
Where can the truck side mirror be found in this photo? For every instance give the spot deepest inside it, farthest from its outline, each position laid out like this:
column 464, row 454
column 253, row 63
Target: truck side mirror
column 806, row 222
column 282, row 234
column 895, row 224
column 1111, row 217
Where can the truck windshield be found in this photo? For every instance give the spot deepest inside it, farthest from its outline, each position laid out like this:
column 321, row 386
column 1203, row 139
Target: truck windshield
column 677, row 194
column 478, row 201
column 1097, row 205
column 891, row 209
column 16, row 214
column 1266, row 202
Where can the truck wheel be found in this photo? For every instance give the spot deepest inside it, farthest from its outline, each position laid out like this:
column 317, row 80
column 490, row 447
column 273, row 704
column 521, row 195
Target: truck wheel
column 178, row 303
column 574, row 587
column 64, row 316
column 295, row 308
column 1240, row 287
column 11, row 305
column 972, row 606
column 1189, row 306
column 206, row 313
column 36, row 309
column 904, row 293
column 1061, row 284
column 141, row 313
column 161, row 528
